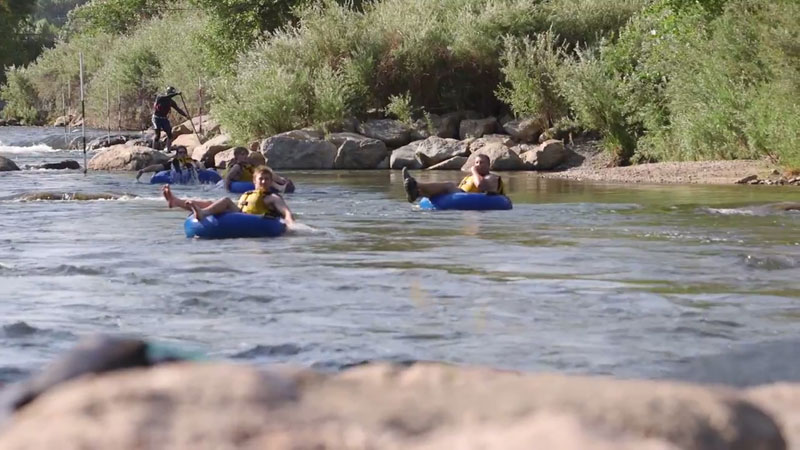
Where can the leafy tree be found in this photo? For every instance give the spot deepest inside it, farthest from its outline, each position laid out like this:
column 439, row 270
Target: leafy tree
column 115, row 16
column 14, row 26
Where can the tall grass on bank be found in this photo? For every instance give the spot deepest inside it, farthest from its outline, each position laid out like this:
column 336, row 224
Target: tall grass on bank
column 442, row 54
column 162, row 52
column 692, row 82
column 129, row 69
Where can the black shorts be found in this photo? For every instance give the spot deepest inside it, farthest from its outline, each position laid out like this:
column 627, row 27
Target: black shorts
column 162, row 123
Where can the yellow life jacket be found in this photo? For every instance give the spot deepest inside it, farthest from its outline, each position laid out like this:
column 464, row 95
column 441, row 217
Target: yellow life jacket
column 185, row 160
column 468, row 185
column 252, row 202
column 247, row 172
column 179, row 162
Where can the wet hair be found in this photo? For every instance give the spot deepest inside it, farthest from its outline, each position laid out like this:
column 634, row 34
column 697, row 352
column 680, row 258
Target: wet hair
column 240, row 150
column 258, row 170
column 486, row 157
column 181, row 147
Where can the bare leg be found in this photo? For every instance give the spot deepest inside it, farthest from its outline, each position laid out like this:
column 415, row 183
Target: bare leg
column 168, row 147
column 434, row 189
column 415, row 189
column 220, row 206
column 173, row 201
column 157, row 138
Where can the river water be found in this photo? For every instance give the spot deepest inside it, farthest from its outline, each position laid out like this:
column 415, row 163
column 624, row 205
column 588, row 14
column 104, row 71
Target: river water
column 629, row 280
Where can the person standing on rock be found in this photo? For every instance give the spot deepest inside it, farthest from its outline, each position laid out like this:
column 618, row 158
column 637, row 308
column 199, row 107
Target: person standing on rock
column 480, row 181
column 161, row 108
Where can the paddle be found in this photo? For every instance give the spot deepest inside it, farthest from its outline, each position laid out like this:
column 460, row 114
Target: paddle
column 191, row 121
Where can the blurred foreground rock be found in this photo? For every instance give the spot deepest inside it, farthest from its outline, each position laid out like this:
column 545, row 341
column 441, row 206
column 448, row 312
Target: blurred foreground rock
column 381, row 406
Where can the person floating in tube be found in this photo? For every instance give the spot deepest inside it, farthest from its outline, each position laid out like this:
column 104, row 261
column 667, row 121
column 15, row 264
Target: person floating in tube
column 180, row 162
column 161, row 108
column 240, row 168
column 479, row 181
column 261, row 201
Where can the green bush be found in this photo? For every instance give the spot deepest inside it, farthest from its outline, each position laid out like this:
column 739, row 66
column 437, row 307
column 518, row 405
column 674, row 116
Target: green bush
column 442, row 54
column 400, row 107
column 141, row 65
column 598, row 103
column 20, row 96
column 530, row 69
column 713, row 75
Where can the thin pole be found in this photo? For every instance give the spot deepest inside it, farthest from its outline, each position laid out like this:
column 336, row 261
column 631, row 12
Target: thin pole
column 200, row 95
column 83, row 115
column 190, row 119
column 69, row 103
column 108, row 112
column 66, row 115
column 119, row 109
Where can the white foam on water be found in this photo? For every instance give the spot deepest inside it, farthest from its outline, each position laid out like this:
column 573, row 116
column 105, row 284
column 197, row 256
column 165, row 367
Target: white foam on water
column 29, row 150
column 731, row 211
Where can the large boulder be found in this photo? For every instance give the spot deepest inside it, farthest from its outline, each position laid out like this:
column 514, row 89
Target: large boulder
column 392, row 132
column 405, row 156
column 524, row 130
column 125, row 157
column 501, row 157
column 204, row 125
column 477, row 144
column 7, row 165
column 445, row 126
column 210, row 149
column 62, row 121
column 546, row 156
column 434, row 150
column 308, row 134
column 423, row 407
column 454, row 163
column 363, row 153
column 340, row 138
column 475, row 128
column 190, row 141
column 224, row 157
column 285, row 152
column 106, row 141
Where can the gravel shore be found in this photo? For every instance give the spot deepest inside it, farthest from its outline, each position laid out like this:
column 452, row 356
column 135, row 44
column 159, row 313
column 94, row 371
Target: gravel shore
column 590, row 163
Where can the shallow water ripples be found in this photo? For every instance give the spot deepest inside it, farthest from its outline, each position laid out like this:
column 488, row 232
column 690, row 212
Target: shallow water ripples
column 576, row 279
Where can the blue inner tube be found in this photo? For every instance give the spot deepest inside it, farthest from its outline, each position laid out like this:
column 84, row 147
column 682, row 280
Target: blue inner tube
column 240, row 187
column 185, row 177
column 233, row 225
column 466, row 201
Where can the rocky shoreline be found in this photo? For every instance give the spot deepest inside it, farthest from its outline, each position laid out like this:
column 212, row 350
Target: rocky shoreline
column 447, row 142
column 384, row 406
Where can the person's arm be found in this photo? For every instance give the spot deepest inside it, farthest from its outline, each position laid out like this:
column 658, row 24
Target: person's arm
column 150, row 168
column 479, row 180
column 233, row 174
column 175, row 105
column 282, row 207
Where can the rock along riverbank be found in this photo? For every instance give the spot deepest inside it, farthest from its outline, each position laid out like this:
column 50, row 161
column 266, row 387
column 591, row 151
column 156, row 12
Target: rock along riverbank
column 381, row 406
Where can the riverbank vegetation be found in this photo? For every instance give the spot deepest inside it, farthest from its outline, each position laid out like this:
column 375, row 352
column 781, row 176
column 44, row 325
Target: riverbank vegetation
column 655, row 79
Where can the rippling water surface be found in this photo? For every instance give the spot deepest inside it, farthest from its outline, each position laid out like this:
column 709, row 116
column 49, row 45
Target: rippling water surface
column 579, row 278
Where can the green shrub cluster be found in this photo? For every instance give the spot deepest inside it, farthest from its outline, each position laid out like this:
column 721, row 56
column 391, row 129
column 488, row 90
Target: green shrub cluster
column 657, row 79
column 443, row 55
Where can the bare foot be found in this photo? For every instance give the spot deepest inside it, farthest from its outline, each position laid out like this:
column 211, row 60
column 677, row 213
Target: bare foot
column 410, row 186
column 199, row 214
column 167, row 192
